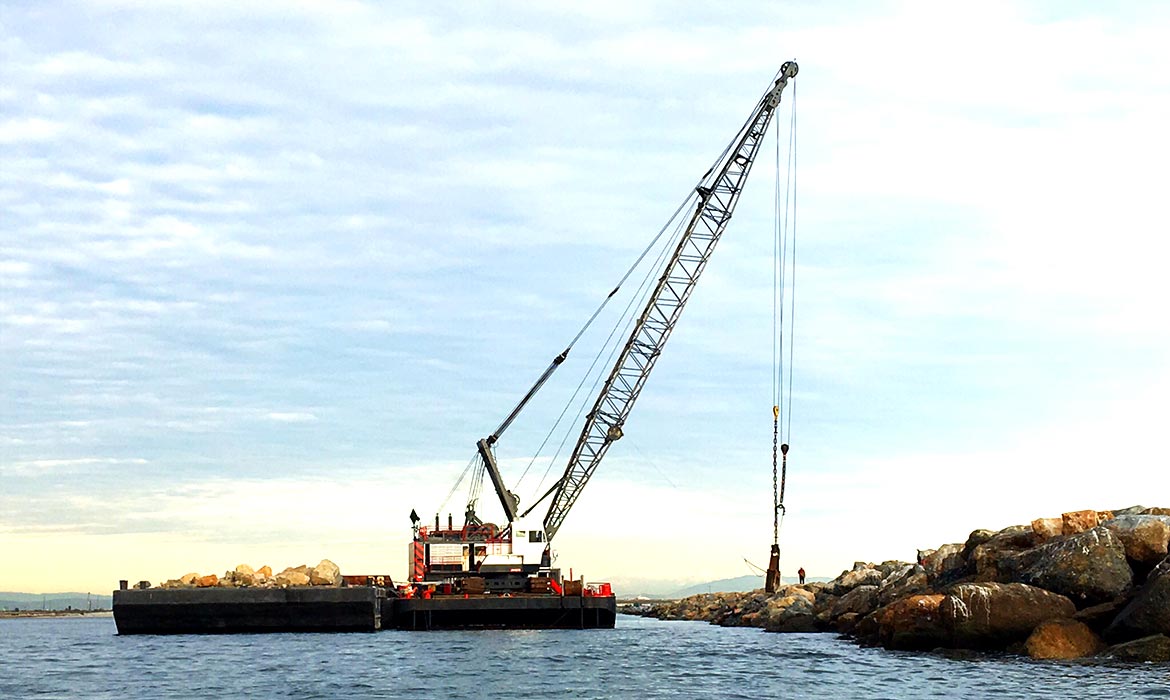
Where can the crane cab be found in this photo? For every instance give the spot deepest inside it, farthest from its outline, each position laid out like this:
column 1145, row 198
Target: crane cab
column 503, row 560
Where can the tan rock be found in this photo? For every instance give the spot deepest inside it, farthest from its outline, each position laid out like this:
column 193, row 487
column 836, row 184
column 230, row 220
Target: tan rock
column 1078, row 521
column 799, row 591
column 292, row 577
column 1146, row 538
column 1062, row 639
column 1156, row 511
column 266, row 570
column 1103, row 515
column 245, row 570
column 325, row 574
column 207, row 581
column 190, row 578
column 1047, row 528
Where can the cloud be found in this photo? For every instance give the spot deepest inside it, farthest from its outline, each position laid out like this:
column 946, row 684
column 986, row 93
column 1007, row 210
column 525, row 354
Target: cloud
column 243, row 241
column 291, row 417
column 79, row 465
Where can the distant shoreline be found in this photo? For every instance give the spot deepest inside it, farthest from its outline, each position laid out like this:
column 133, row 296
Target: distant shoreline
column 54, row 613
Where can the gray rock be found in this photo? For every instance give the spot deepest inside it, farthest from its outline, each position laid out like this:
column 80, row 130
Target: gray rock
column 995, row 615
column 985, row 558
column 1088, row 567
column 795, row 615
column 1149, row 611
column 1155, row 648
column 857, row 577
column 861, row 600
column 911, row 580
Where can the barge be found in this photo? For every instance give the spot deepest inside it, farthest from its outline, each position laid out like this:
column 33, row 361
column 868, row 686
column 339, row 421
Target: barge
column 350, row 609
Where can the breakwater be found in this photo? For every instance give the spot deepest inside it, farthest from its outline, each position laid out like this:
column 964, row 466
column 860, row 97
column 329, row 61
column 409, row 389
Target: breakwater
column 1089, row 583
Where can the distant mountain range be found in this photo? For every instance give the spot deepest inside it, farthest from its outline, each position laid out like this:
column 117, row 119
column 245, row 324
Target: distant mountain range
column 649, row 589
column 54, row 601
column 731, row 585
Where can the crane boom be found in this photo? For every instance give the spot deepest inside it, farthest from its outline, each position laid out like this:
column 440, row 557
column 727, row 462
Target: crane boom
column 717, row 197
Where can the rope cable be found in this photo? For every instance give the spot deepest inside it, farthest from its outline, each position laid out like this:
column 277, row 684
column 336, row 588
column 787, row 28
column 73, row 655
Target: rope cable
column 783, row 282
column 626, row 317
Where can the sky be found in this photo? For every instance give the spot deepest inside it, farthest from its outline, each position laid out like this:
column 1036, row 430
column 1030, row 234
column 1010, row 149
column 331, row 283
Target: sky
column 268, row 272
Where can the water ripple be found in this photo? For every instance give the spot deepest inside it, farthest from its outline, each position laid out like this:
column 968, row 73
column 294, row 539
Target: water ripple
column 643, row 659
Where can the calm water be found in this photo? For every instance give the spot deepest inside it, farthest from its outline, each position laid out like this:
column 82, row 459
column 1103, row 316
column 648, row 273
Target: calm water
column 84, row 658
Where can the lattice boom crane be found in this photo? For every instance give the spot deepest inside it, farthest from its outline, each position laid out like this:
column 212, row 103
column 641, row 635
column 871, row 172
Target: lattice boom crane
column 521, row 549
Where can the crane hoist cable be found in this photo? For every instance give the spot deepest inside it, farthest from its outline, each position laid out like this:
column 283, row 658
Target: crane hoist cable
column 783, row 285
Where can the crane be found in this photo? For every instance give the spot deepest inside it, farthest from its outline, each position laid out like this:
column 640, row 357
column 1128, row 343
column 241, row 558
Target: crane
column 505, row 558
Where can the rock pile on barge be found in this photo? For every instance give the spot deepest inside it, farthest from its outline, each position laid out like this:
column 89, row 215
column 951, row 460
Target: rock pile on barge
column 1089, row 583
column 243, row 576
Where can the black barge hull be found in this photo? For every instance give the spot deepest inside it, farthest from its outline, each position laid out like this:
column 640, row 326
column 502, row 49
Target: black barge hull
column 503, row 612
column 231, row 610
column 350, row 609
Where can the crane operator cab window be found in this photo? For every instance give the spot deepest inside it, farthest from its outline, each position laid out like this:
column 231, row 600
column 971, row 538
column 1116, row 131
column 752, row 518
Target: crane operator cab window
column 536, row 536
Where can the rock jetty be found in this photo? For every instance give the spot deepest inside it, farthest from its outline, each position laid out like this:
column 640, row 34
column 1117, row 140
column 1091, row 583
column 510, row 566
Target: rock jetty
column 1087, row 584
column 243, row 576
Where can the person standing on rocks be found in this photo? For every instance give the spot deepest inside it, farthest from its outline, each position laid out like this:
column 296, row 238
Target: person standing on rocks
column 800, row 573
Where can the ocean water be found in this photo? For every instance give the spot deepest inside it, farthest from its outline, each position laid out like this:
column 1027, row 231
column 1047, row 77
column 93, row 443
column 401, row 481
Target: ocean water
column 641, row 658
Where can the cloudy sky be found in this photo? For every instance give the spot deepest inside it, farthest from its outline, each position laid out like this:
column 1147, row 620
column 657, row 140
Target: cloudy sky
column 268, row 272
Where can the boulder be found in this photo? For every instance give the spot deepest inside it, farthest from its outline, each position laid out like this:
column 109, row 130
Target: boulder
column 325, row 574
column 1062, row 639
column 1047, row 528
column 1088, row 567
column 207, row 581
column 189, row 579
column 861, row 600
column 945, row 564
column 1146, row 538
column 798, row 590
column 890, row 567
column 266, row 570
column 245, row 570
column 174, row 583
column 1098, row 617
column 1155, row 511
column 848, row 580
column 292, row 577
column 911, row 580
column 1132, row 510
column 976, row 538
column 1149, row 611
column 1078, row 521
column 847, row 622
column 1154, row 649
column 994, row 615
column 911, row 623
column 987, row 556
column 789, row 614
